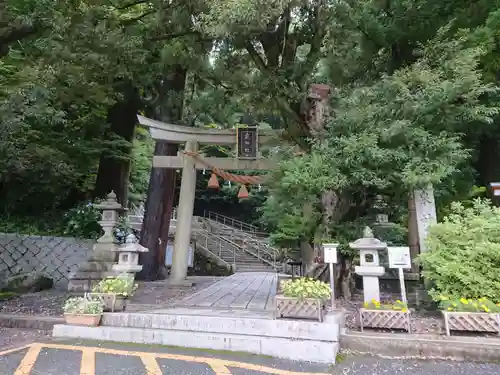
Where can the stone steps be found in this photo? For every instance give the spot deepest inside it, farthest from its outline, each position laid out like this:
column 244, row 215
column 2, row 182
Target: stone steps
column 225, row 330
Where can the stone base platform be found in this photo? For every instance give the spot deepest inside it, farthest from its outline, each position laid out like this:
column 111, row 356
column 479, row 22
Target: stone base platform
column 220, row 330
column 233, row 314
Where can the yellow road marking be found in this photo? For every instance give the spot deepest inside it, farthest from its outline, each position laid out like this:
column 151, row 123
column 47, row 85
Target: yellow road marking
column 28, row 361
column 220, row 366
column 13, row 350
column 87, row 367
column 152, row 367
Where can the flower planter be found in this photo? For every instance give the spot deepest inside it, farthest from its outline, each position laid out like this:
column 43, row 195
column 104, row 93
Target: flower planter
column 89, row 320
column 471, row 322
column 386, row 319
column 111, row 302
column 307, row 308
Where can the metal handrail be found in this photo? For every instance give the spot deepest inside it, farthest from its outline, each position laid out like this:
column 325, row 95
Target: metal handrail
column 218, row 246
column 229, row 221
column 263, row 252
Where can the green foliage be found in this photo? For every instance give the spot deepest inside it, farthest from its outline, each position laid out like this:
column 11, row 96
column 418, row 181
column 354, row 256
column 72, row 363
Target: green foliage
column 468, row 305
column 82, row 222
column 463, row 252
column 83, row 305
column 122, row 285
column 395, row 134
column 142, row 154
column 305, row 288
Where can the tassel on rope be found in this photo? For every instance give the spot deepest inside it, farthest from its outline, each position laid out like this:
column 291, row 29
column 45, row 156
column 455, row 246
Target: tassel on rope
column 243, row 193
column 213, row 183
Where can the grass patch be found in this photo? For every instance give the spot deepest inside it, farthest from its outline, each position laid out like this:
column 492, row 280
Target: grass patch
column 4, row 296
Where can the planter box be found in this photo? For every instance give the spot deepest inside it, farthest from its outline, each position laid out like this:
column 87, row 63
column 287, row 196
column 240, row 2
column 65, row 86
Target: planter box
column 471, row 322
column 308, row 308
column 111, row 302
column 387, row 319
column 89, row 320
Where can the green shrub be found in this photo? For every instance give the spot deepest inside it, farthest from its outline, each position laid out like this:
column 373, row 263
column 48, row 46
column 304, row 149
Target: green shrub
column 463, row 253
column 122, row 285
column 82, row 305
column 306, row 288
column 469, row 305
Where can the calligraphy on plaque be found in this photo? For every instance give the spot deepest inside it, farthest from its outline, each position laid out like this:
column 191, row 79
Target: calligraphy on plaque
column 247, row 141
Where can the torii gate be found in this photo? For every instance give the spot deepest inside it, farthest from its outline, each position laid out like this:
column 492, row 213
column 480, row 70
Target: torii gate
column 245, row 142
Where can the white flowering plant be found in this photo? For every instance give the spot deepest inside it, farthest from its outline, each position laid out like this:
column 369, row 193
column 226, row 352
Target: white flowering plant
column 305, row 288
column 81, row 305
column 122, row 285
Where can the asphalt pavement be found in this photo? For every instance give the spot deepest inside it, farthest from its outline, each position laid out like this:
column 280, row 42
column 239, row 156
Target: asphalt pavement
column 63, row 357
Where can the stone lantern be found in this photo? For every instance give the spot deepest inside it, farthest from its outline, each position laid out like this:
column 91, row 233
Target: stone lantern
column 369, row 267
column 102, row 258
column 128, row 258
column 111, row 210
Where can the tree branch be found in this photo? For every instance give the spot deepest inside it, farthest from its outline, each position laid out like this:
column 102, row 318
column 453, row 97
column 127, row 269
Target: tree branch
column 129, row 21
column 133, row 4
column 256, row 57
column 15, row 34
column 318, row 27
column 174, row 35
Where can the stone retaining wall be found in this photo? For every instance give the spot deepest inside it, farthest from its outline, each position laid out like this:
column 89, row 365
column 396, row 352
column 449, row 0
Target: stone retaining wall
column 54, row 256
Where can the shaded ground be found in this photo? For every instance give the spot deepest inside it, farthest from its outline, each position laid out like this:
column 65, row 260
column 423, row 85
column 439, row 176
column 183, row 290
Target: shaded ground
column 15, row 337
column 94, row 358
column 49, row 303
column 99, row 358
column 365, row 365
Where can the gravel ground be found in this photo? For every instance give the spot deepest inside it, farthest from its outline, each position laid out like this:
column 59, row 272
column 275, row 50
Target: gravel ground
column 14, row 337
column 49, row 303
column 367, row 365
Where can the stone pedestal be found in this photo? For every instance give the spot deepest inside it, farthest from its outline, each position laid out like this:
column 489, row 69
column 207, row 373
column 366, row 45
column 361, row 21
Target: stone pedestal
column 369, row 267
column 102, row 258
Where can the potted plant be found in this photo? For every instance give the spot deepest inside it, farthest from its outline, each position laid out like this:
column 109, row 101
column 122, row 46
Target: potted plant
column 391, row 315
column 302, row 298
column 114, row 291
column 473, row 315
column 83, row 311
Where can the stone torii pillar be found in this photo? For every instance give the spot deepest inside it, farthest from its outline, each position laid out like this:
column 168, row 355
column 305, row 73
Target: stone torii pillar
column 180, row 256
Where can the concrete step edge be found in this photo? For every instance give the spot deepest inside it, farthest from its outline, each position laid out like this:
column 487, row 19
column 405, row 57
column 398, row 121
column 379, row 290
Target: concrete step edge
column 328, row 330
column 298, row 350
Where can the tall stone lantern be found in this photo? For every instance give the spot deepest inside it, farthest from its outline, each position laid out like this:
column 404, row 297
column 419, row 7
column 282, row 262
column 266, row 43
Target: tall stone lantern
column 106, row 244
column 100, row 261
column 369, row 268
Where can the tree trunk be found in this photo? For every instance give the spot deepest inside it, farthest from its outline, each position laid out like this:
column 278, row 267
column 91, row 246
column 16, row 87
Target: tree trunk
column 154, row 222
column 161, row 190
column 113, row 173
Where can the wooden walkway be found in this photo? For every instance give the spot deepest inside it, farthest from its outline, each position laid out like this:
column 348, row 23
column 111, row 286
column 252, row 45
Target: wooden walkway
column 252, row 291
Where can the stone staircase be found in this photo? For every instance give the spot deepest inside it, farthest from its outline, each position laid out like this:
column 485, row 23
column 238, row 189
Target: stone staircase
column 237, row 247
column 248, row 237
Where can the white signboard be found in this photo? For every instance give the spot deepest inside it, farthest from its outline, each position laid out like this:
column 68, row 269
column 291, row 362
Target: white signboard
column 399, row 257
column 170, row 252
column 330, row 252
